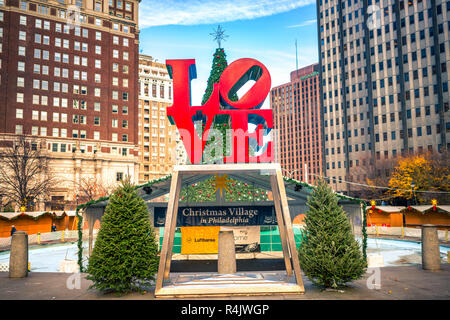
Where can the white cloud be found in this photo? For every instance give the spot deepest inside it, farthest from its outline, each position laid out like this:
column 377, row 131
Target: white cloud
column 192, row 12
column 303, row 24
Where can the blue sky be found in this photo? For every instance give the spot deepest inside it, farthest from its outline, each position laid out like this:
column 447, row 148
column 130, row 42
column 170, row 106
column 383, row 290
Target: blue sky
column 265, row 30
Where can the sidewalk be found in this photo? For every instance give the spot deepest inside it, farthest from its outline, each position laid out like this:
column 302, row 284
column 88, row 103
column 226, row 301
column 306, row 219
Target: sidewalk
column 397, row 283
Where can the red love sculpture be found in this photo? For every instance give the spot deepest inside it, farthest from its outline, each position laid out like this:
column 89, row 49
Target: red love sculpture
column 242, row 112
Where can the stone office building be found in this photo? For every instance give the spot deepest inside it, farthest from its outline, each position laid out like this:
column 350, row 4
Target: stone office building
column 384, row 83
column 296, row 113
column 159, row 143
column 69, row 79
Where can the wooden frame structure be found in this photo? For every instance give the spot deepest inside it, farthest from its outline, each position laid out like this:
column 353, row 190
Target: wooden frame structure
column 283, row 220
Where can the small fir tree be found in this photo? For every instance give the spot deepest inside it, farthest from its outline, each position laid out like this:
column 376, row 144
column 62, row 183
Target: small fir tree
column 329, row 254
column 125, row 255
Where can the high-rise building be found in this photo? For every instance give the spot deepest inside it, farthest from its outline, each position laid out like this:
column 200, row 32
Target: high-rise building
column 384, row 83
column 68, row 78
column 296, row 109
column 157, row 137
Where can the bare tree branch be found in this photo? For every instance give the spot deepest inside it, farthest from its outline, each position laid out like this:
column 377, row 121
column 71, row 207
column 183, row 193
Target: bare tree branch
column 25, row 173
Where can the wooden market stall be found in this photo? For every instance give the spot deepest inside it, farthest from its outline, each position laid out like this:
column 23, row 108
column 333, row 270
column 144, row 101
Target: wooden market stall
column 416, row 216
column 36, row 222
column 384, row 216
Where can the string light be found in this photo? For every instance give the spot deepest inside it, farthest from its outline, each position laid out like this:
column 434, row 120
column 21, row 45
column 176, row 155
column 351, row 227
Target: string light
column 377, row 187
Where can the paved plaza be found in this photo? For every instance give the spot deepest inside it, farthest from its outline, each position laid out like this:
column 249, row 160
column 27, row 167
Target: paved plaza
column 397, row 283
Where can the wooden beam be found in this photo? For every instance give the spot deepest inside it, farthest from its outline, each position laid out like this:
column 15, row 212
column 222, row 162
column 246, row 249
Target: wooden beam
column 173, row 226
column 226, row 168
column 289, row 230
column 167, row 230
column 281, row 226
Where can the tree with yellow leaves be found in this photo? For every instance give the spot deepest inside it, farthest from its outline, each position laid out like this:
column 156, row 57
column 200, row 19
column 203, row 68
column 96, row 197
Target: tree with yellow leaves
column 422, row 172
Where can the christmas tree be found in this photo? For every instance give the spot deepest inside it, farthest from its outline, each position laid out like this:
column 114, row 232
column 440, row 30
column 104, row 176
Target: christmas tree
column 221, row 122
column 329, row 254
column 218, row 65
column 125, row 255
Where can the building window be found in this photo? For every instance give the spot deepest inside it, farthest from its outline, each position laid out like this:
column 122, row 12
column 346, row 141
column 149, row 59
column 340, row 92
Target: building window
column 19, row 97
column 22, row 35
column 21, row 66
column 19, row 113
column 19, row 129
column 21, row 51
column 119, row 176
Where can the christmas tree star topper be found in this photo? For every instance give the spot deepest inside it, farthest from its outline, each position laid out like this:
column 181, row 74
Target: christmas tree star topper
column 219, row 35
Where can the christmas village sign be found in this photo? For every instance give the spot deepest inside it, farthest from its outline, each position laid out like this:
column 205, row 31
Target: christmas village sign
column 246, row 110
column 231, row 216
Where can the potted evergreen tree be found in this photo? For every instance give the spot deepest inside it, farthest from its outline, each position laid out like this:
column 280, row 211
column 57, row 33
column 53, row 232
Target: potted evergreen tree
column 329, row 254
column 125, row 256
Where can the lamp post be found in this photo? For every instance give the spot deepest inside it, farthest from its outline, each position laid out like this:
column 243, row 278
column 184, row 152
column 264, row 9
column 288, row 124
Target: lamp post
column 291, row 172
column 412, row 192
